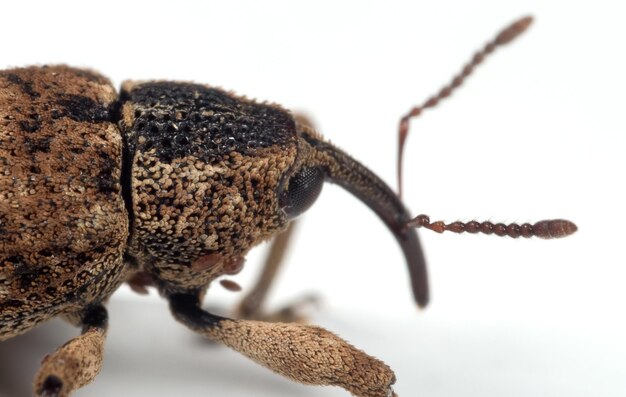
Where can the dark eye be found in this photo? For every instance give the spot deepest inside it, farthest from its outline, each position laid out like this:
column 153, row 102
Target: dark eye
column 304, row 188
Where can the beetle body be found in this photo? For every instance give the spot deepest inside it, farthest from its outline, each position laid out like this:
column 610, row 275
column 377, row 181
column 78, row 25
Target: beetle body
column 168, row 184
column 171, row 184
column 199, row 164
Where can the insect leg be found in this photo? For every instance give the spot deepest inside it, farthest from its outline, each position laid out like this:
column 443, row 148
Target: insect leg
column 77, row 362
column 251, row 306
column 303, row 353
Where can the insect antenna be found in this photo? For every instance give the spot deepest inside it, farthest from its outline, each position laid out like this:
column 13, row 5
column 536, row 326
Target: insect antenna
column 546, row 229
column 504, row 37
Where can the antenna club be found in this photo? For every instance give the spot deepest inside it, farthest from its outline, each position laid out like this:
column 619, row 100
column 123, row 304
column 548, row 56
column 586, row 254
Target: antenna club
column 512, row 31
column 554, row 228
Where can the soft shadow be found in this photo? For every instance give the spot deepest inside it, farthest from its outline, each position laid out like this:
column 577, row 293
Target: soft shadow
column 20, row 356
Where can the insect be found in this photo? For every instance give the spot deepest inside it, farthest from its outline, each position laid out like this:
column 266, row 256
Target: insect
column 169, row 185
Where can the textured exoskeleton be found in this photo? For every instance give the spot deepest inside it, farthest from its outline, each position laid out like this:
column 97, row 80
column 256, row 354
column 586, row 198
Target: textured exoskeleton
column 170, row 185
column 167, row 184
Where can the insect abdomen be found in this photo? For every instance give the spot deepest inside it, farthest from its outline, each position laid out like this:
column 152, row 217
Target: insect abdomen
column 63, row 224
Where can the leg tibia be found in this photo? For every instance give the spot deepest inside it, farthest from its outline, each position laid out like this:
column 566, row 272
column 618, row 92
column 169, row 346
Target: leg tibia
column 77, row 362
column 307, row 354
column 303, row 353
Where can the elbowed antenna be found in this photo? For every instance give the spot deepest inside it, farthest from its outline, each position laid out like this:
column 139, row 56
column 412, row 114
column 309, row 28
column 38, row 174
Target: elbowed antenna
column 505, row 36
column 546, row 229
column 343, row 170
column 348, row 173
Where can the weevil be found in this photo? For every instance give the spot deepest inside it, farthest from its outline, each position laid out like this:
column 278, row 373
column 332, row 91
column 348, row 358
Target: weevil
column 170, row 184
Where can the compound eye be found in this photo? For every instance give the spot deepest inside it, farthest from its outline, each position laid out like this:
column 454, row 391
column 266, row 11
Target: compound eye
column 304, row 188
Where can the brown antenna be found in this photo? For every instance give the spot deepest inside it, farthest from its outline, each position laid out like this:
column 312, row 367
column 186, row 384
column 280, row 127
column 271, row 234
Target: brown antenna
column 504, row 37
column 554, row 228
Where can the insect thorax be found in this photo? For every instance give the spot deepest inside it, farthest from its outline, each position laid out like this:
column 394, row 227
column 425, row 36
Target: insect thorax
column 205, row 169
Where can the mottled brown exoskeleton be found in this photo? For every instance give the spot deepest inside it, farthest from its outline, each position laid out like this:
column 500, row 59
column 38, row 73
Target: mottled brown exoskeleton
column 170, row 185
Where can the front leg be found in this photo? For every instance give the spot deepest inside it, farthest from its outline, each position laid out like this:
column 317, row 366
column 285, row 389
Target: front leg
column 251, row 306
column 77, row 362
column 306, row 354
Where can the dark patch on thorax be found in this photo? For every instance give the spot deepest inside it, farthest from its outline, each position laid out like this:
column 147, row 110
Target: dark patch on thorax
column 181, row 119
column 82, row 108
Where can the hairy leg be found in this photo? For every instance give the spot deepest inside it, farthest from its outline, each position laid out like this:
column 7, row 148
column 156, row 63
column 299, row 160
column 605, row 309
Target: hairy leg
column 303, row 353
column 77, row 362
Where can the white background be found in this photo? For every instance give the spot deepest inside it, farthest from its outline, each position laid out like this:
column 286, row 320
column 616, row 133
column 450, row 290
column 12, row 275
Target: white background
column 536, row 133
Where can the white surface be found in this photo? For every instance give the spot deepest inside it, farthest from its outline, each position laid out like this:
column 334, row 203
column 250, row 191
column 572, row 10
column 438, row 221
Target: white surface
column 537, row 133
column 149, row 355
